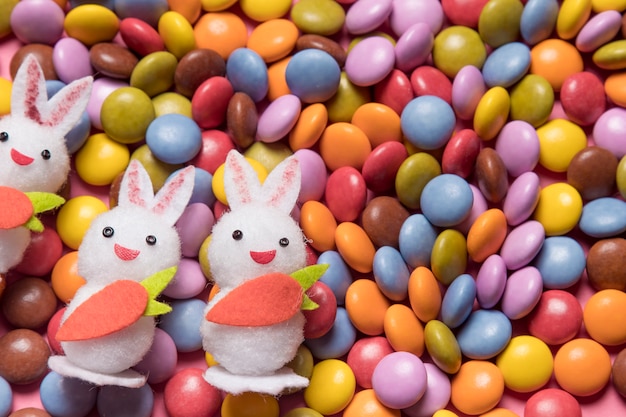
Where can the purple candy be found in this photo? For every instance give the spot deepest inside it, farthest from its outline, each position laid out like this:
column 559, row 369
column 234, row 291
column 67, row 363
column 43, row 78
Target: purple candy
column 414, row 47
column 37, row 21
column 468, row 87
column 71, row 60
column 522, row 244
column 399, row 380
column 599, row 30
column 518, row 146
column 370, row 61
column 365, row 16
column 522, row 198
column 188, row 282
column 609, row 132
column 161, row 360
column 279, row 117
column 437, row 395
column 479, row 206
column 491, row 281
column 193, row 227
column 406, row 13
column 522, row 293
column 314, row 175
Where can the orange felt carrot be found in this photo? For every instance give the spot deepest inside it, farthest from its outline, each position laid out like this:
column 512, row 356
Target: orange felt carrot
column 15, row 208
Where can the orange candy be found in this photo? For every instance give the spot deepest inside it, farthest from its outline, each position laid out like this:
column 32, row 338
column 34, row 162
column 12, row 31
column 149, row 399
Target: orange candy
column 424, row 294
column 221, row 31
column 404, row 331
column 190, row 9
column 582, row 367
column 344, row 144
column 273, row 39
column 65, row 279
column 355, row 247
column 366, row 404
column 276, row 80
column 319, row 225
column 477, row 388
column 366, row 306
column 615, row 88
column 499, row 412
column 379, row 122
column 555, row 60
column 486, row 234
column 604, row 316
column 309, row 127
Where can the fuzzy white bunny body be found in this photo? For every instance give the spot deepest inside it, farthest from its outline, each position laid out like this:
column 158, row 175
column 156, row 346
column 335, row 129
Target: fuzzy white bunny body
column 33, row 153
column 255, row 238
column 130, row 242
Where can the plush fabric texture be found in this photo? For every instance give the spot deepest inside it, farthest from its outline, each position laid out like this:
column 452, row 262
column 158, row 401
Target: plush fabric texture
column 128, row 378
column 273, row 384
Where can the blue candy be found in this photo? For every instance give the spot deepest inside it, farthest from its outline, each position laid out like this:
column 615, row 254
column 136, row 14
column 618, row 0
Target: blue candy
column 125, row 402
column 603, row 217
column 338, row 341
column 538, row 20
column 391, row 273
column 247, row 72
column 313, row 75
column 6, row 398
column 561, row 262
column 446, row 200
column 484, row 334
column 428, row 122
column 174, row 138
column 202, row 187
column 67, row 397
column 78, row 135
column 458, row 301
column 183, row 324
column 506, row 65
column 416, row 240
column 337, row 276
column 147, row 10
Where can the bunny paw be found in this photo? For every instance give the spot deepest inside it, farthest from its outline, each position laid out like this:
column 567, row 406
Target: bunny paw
column 274, row 384
column 128, row 378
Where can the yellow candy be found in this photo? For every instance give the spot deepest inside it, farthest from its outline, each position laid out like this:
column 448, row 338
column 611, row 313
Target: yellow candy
column 492, row 112
column 5, row 96
column 101, row 159
column 216, row 5
column 526, row 364
column 331, row 387
column 262, row 10
column 158, row 171
column 209, row 359
column 218, row 179
column 177, row 33
column 572, row 16
column 302, row 412
column 250, row 404
column 559, row 141
column 203, row 258
column 559, row 208
column 91, row 23
column 170, row 102
column 75, row 216
column 611, row 56
column 445, row 413
column 604, row 5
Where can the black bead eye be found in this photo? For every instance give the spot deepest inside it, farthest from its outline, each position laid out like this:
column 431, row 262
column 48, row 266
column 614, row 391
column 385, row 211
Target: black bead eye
column 4, row 136
column 107, row 231
column 283, row 242
column 237, row 234
column 151, row 240
column 45, row 154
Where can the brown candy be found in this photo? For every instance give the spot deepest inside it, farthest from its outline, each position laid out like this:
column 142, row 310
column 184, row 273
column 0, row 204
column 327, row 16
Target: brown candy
column 23, row 356
column 312, row 41
column 592, row 172
column 29, row 303
column 618, row 373
column 3, row 283
column 491, row 175
column 606, row 264
column 43, row 54
column 114, row 190
column 112, row 60
column 196, row 67
column 241, row 119
column 382, row 219
column 30, row 412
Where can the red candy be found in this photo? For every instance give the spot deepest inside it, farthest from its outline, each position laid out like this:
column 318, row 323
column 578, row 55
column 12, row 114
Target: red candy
column 460, row 153
column 345, row 194
column 52, row 329
column 429, row 81
column 365, row 355
column 394, row 91
column 380, row 168
column 583, row 98
column 187, row 394
column 210, row 102
column 140, row 37
column 463, row 12
column 215, row 146
column 552, row 402
column 320, row 320
column 557, row 317
column 43, row 252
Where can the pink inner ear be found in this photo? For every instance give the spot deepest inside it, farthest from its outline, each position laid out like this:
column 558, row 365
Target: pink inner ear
column 165, row 199
column 134, row 188
column 32, row 92
column 62, row 110
column 288, row 177
column 239, row 178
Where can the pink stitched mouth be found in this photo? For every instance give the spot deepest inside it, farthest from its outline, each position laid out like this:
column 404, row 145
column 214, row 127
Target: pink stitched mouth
column 19, row 158
column 263, row 257
column 125, row 254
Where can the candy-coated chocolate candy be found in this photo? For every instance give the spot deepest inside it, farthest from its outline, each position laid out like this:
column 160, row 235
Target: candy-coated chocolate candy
column 64, row 278
column 190, row 9
column 6, row 9
column 424, row 294
column 365, row 355
column 582, row 356
column 221, row 31
column 160, row 362
column 158, row 171
column 250, row 403
column 620, row 176
column 561, row 262
column 262, row 11
column 321, row 320
column 195, row 67
column 171, row 102
column 302, row 363
column 580, row 87
column 365, row 16
column 403, row 329
column 532, row 100
column 115, row 399
column 460, row 153
column 314, row 175
column 499, row 22
column 458, row 301
column 522, row 292
column 366, row 403
column 75, row 216
column 174, row 138
column 557, row 317
column 278, row 118
column 344, row 145
column 320, row 17
column 522, row 244
column 399, row 380
column 273, row 39
column 394, row 91
column 611, row 56
column 506, row 65
column 486, row 234
column 337, row 276
column 28, row 303
column 210, row 102
column 101, row 159
column 603, row 217
column 614, row 88
column 608, row 131
column 592, row 171
column 247, row 72
column 477, row 387
column 309, row 127
column 456, row 47
column 66, row 396
column 491, row 281
column 605, row 264
column 6, row 397
column 552, row 402
column 177, row 33
column 313, row 41
column 479, row 206
column 429, row 81
column 555, row 60
column 41, row 255
column 437, row 393
column 348, row 98
column 492, row 112
column 484, row 334
column 405, row 13
column 241, row 116
column 391, row 273
column 91, row 23
column 428, row 122
column 518, row 146
column 366, row 306
column 538, row 20
column 526, row 364
column 182, row 323
column 71, row 60
column 187, row 393
column 331, row 387
column 379, row 122
column 449, row 256
column 355, row 246
column 276, row 80
column 382, row 164
column 140, row 37
column 618, row 372
column 345, row 193
column 491, row 175
column 463, row 13
column 414, row 46
column 313, row 75
column 446, row 200
column 559, row 208
column 147, row 10
column 154, row 73
column 101, row 89
column 603, row 315
column 24, row 356
column 114, row 114
column 442, row 346
column 43, row 53
column 416, row 239
column 189, row 280
column 382, row 219
column 468, row 87
column 302, row 412
column 598, row 30
column 522, row 198
column 572, row 16
column 318, row 224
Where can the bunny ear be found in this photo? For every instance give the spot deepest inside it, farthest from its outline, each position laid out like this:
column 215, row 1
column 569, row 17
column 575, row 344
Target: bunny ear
column 173, row 197
column 28, row 94
column 67, row 106
column 136, row 186
column 282, row 186
column 241, row 182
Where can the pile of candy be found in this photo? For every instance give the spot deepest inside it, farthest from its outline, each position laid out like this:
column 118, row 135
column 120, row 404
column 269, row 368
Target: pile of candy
column 463, row 176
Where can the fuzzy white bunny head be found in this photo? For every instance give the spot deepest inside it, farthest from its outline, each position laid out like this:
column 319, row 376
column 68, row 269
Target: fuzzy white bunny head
column 33, row 153
column 258, row 235
column 137, row 238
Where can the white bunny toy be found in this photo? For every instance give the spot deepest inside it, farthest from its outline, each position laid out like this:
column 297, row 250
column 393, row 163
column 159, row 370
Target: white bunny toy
column 34, row 161
column 254, row 325
column 127, row 257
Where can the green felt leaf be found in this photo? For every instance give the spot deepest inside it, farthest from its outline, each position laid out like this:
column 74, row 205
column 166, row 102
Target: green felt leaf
column 34, row 224
column 43, row 201
column 308, row 275
column 157, row 282
column 308, row 304
column 156, row 308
